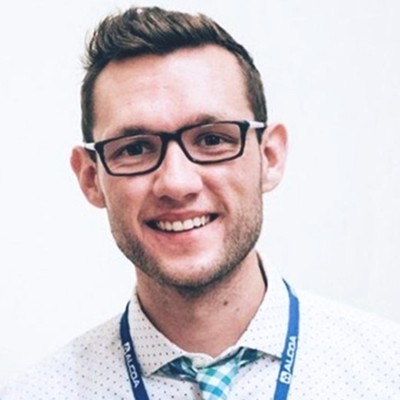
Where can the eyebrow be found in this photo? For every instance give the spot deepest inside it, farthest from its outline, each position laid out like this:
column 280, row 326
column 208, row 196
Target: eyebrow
column 142, row 130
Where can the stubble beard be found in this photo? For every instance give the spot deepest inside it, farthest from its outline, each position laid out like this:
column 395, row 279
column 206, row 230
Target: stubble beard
column 236, row 246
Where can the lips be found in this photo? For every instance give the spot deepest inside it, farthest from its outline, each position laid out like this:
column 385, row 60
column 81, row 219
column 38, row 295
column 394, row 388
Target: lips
column 182, row 225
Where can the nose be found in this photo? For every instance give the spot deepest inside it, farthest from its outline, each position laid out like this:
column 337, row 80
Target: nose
column 177, row 178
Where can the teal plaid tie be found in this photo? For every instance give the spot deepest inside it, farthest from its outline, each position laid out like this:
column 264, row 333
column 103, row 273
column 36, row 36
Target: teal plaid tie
column 214, row 381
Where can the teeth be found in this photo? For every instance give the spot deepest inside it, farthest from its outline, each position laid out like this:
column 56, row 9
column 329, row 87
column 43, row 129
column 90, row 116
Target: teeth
column 177, row 226
column 168, row 226
column 186, row 225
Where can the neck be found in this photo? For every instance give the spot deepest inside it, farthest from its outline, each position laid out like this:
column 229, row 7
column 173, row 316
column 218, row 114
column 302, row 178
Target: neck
column 209, row 322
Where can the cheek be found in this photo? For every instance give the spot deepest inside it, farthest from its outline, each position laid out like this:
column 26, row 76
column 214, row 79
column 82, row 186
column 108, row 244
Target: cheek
column 124, row 196
column 237, row 185
column 245, row 175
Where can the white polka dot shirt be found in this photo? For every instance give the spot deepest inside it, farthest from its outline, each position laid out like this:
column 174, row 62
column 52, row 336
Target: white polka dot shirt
column 343, row 354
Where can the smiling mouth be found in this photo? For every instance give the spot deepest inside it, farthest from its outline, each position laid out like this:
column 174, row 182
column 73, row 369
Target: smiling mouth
column 183, row 225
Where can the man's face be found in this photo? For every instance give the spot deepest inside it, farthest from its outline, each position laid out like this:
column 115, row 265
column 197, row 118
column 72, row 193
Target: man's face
column 165, row 93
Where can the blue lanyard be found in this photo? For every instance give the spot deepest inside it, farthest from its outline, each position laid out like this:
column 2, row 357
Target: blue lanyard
column 287, row 361
column 290, row 349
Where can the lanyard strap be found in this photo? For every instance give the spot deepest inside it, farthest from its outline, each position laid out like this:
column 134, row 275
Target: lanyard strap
column 131, row 361
column 287, row 361
column 290, row 350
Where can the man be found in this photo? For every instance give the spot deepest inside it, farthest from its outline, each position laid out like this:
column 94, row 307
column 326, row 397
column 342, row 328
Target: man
column 178, row 151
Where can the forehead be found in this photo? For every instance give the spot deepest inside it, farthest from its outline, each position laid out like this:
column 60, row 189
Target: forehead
column 168, row 91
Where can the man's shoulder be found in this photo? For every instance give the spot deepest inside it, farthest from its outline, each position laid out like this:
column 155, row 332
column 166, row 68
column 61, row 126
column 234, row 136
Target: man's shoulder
column 344, row 352
column 336, row 327
column 79, row 362
column 323, row 311
column 94, row 343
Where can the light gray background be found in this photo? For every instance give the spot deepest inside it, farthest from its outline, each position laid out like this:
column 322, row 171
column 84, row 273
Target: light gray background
column 331, row 72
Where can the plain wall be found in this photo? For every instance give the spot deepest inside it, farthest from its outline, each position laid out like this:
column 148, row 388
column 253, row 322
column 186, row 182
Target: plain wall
column 331, row 72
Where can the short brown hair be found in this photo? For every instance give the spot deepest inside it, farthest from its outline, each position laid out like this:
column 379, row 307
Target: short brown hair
column 152, row 30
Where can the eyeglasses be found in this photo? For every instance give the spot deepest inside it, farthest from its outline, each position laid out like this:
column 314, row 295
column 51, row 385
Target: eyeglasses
column 140, row 153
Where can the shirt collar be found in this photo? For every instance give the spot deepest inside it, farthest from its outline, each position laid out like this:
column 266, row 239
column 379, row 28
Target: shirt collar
column 266, row 332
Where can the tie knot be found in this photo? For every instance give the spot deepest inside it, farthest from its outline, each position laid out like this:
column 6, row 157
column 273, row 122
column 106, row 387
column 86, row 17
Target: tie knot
column 215, row 380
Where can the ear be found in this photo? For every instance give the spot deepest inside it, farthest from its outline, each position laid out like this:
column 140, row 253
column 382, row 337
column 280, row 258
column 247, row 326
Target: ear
column 273, row 148
column 86, row 171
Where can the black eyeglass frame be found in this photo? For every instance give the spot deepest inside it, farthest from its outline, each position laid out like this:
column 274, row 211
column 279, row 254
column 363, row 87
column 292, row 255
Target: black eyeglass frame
column 166, row 137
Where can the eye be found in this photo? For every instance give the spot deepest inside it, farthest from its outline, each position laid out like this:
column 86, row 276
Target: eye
column 215, row 139
column 136, row 147
column 132, row 148
column 212, row 139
